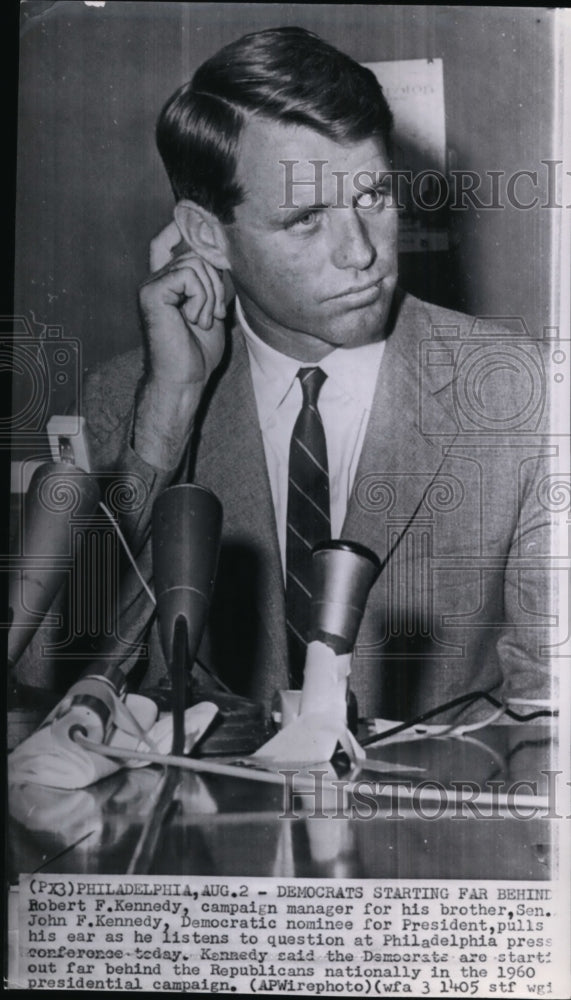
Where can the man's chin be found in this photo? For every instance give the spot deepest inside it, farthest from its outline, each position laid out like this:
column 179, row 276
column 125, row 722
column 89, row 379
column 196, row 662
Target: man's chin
column 360, row 327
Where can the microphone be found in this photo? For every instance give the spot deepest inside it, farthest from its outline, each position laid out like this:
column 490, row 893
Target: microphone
column 342, row 576
column 187, row 526
column 59, row 492
column 91, row 706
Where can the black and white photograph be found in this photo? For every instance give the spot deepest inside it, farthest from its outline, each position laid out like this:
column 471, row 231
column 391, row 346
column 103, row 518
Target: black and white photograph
column 287, row 629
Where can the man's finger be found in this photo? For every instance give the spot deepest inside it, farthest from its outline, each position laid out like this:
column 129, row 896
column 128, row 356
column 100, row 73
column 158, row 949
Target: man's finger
column 214, row 307
column 206, row 317
column 221, row 296
column 165, row 246
column 195, row 299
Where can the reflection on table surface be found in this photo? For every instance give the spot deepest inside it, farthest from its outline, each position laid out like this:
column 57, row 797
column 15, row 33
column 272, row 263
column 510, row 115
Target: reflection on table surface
column 404, row 824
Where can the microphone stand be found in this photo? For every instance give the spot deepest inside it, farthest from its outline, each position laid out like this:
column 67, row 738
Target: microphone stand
column 180, row 667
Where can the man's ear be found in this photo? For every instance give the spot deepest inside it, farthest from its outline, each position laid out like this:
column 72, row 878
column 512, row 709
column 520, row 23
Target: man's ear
column 203, row 232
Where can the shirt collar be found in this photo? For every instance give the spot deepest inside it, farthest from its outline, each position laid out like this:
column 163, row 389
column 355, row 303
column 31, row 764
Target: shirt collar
column 273, row 373
column 354, row 371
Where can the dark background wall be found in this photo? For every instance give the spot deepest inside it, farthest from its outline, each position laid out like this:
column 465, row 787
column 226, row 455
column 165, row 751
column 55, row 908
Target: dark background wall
column 91, row 188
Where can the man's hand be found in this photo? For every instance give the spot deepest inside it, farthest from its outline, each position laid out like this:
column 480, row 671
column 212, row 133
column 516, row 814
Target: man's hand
column 182, row 309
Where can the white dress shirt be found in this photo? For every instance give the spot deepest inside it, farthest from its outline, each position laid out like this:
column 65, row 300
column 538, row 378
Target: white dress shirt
column 344, row 404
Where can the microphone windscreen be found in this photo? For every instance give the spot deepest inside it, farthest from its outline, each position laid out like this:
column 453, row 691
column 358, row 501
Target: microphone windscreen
column 187, row 527
column 342, row 575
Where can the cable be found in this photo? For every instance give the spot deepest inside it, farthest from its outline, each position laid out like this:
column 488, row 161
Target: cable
column 489, row 751
column 210, row 673
column 526, row 701
column 464, row 699
column 531, row 715
column 472, row 727
column 522, row 745
column 129, row 554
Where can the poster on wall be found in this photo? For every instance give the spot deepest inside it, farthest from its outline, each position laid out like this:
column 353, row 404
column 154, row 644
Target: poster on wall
column 415, row 90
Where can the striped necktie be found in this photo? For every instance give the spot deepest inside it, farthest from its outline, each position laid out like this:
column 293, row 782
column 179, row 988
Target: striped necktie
column 308, row 515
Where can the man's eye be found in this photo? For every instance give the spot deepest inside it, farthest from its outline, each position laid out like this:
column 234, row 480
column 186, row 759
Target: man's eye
column 372, row 198
column 305, row 221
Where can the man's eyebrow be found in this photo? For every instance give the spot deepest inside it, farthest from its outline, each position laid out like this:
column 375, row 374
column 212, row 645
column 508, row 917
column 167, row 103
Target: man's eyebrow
column 289, row 213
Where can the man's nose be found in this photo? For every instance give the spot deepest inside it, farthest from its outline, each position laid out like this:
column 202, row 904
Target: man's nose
column 352, row 246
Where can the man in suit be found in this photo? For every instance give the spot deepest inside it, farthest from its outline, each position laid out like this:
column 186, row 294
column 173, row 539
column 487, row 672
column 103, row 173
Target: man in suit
column 278, row 155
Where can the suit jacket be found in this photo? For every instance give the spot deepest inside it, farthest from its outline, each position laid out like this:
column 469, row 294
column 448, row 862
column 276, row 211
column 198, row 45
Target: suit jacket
column 449, row 492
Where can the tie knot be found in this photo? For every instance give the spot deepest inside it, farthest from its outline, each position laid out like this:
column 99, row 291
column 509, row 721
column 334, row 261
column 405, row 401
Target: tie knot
column 311, row 380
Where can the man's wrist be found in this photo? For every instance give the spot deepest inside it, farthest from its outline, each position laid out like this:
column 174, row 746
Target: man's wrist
column 164, row 416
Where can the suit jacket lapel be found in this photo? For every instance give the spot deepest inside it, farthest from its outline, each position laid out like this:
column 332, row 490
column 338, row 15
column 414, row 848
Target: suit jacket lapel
column 398, row 460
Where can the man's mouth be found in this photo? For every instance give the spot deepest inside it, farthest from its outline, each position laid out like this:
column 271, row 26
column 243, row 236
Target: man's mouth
column 359, row 294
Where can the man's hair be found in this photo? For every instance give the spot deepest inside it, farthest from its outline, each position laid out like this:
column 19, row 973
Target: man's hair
column 287, row 75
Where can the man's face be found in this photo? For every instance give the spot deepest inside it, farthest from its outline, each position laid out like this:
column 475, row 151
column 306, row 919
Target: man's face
column 321, row 274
